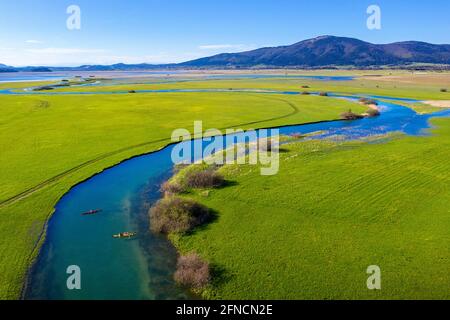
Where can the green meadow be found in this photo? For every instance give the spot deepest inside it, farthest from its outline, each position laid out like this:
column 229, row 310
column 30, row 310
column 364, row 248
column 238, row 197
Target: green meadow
column 49, row 143
column 334, row 208
column 417, row 87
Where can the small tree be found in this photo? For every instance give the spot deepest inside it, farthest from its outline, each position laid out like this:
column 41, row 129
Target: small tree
column 373, row 112
column 367, row 101
column 177, row 215
column 172, row 188
column 351, row 115
column 192, row 271
column 204, row 179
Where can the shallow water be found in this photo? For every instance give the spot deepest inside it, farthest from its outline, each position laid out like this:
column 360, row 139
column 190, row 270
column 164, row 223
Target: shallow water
column 28, row 76
column 59, row 75
column 143, row 268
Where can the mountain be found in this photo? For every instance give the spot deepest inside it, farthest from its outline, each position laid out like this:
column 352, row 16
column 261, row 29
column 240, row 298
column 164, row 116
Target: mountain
column 5, row 68
column 330, row 51
column 121, row 67
column 320, row 52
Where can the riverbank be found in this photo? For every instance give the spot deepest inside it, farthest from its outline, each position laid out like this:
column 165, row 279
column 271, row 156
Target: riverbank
column 439, row 103
column 360, row 212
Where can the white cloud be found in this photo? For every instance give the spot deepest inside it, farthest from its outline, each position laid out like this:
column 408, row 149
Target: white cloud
column 34, row 41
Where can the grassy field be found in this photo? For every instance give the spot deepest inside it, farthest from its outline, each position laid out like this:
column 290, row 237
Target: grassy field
column 50, row 143
column 421, row 87
column 311, row 231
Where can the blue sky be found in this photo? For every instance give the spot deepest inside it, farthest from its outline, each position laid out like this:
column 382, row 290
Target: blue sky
column 34, row 32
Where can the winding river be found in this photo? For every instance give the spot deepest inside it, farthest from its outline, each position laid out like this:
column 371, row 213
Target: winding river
column 142, row 268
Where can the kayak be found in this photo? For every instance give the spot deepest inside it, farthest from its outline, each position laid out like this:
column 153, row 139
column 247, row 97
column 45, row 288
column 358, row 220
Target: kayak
column 125, row 235
column 91, row 212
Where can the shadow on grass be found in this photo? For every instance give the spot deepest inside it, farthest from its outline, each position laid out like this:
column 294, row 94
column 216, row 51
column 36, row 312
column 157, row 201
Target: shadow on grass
column 213, row 218
column 227, row 184
column 219, row 275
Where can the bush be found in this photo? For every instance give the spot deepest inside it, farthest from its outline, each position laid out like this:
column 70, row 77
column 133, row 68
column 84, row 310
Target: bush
column 177, row 215
column 192, row 271
column 373, row 112
column 132, row 91
column 204, row 179
column 305, row 93
column 323, row 94
column 351, row 116
column 265, row 145
column 443, row 90
column 305, row 87
column 180, row 166
column 368, row 101
column 297, row 135
column 172, row 188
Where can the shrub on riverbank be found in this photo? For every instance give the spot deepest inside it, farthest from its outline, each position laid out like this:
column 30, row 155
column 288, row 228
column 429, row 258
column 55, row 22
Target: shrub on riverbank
column 192, row 271
column 266, row 145
column 323, row 94
column 373, row 112
column 349, row 115
column 172, row 188
column 368, row 101
column 177, row 215
column 204, row 179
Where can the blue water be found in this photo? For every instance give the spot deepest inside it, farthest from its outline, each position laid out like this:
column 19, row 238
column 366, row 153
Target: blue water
column 278, row 76
column 143, row 268
column 59, row 75
column 26, row 76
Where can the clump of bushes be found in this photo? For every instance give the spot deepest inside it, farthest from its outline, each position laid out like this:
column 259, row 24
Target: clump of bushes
column 373, row 113
column 305, row 87
column 193, row 177
column 192, row 271
column 265, row 145
column 177, row 215
column 349, row 115
column 172, row 188
column 323, row 94
column 297, row 135
column 305, row 93
column 132, row 91
column 443, row 90
column 204, row 179
column 368, row 101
